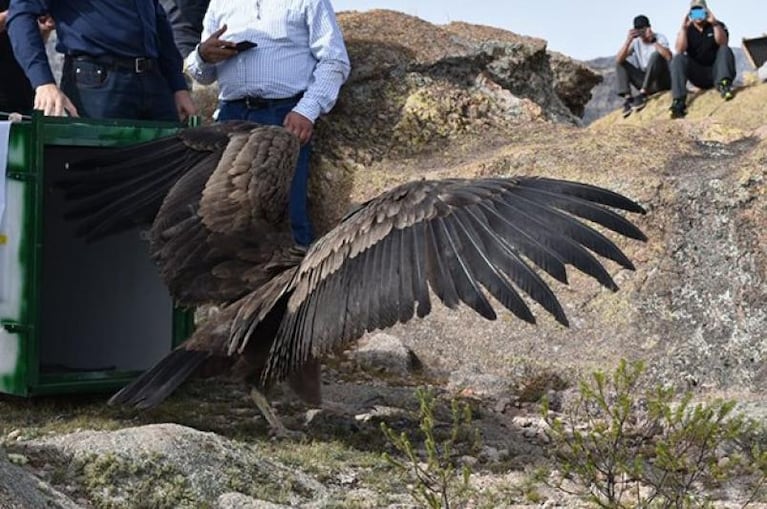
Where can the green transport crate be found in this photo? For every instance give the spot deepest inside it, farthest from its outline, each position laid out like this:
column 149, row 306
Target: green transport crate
column 75, row 316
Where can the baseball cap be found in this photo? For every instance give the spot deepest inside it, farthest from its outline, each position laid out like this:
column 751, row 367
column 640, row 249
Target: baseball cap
column 641, row 21
column 698, row 3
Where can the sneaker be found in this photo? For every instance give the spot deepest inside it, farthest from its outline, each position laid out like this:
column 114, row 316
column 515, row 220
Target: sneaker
column 627, row 106
column 639, row 103
column 725, row 89
column 678, row 108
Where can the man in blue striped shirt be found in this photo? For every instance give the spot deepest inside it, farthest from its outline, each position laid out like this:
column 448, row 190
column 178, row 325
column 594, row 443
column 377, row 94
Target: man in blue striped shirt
column 290, row 77
column 120, row 61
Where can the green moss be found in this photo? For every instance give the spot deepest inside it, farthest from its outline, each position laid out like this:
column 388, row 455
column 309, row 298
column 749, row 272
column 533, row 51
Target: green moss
column 115, row 482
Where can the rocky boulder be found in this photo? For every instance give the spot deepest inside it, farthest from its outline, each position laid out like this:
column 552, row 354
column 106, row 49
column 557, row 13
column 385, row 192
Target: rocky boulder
column 21, row 490
column 165, row 465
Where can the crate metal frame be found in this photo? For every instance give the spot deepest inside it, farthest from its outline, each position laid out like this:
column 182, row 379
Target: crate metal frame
column 25, row 167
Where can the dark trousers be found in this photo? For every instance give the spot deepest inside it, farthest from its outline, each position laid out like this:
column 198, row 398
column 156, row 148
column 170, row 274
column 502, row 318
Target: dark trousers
column 275, row 114
column 654, row 79
column 684, row 68
column 103, row 91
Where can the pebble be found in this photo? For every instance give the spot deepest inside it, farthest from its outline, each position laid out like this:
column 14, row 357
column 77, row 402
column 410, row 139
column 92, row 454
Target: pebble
column 17, row 459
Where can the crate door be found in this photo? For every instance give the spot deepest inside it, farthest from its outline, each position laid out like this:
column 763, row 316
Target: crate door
column 15, row 259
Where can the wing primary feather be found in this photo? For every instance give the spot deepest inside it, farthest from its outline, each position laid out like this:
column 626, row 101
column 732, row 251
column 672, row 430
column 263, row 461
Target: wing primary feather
column 436, row 269
column 545, row 258
column 487, row 257
column 461, row 273
column 581, row 190
column 507, row 261
column 373, row 309
column 406, row 261
column 568, row 226
column 567, row 249
column 391, row 279
column 353, row 321
column 585, row 209
column 420, row 277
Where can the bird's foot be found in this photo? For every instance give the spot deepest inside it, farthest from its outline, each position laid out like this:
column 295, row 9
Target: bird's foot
column 276, row 428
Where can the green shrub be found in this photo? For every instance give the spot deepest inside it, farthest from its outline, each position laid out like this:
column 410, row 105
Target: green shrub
column 436, row 480
column 623, row 446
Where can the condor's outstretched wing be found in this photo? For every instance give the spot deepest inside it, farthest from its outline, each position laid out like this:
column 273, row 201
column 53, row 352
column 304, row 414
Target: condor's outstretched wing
column 125, row 186
column 458, row 238
column 216, row 197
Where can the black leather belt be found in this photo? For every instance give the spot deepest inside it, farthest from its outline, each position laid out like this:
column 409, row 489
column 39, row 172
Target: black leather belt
column 138, row 65
column 258, row 103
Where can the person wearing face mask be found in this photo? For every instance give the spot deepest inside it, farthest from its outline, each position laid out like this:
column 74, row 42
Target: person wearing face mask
column 703, row 57
column 642, row 61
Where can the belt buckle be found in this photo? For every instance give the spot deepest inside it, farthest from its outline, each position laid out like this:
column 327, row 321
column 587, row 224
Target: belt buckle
column 141, row 65
column 255, row 103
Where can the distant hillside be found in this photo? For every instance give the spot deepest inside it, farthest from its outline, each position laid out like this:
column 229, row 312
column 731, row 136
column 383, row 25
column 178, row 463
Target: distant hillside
column 603, row 97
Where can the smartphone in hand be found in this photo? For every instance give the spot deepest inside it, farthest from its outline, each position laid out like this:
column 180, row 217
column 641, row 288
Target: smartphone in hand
column 244, row 46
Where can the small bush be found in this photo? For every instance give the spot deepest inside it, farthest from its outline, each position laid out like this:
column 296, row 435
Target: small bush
column 436, row 480
column 628, row 447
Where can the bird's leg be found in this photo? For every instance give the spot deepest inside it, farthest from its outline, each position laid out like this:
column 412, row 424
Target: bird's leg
column 266, row 409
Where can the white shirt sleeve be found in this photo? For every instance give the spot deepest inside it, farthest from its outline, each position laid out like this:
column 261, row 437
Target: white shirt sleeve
column 201, row 71
column 327, row 45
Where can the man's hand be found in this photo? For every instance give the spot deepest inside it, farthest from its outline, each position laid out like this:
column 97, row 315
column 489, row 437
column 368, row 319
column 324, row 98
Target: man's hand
column 3, row 20
column 686, row 21
column 300, row 126
column 184, row 104
column 711, row 18
column 633, row 34
column 52, row 102
column 214, row 50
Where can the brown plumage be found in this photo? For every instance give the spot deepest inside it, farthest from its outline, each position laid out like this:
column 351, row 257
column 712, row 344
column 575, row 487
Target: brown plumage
column 218, row 200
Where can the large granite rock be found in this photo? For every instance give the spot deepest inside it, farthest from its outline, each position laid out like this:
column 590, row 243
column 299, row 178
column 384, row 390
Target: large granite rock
column 167, row 465
column 21, row 490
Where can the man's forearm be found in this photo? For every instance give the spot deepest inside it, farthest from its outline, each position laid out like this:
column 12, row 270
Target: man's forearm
column 681, row 41
column 321, row 96
column 720, row 35
column 28, row 45
column 623, row 53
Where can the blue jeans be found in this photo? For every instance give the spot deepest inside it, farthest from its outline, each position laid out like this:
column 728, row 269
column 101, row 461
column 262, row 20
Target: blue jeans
column 103, row 92
column 275, row 115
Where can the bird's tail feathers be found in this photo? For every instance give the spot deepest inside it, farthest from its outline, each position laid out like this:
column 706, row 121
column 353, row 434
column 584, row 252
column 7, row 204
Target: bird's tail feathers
column 154, row 386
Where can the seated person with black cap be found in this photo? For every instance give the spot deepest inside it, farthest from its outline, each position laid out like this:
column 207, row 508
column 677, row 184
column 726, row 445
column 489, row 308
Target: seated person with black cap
column 703, row 56
column 642, row 61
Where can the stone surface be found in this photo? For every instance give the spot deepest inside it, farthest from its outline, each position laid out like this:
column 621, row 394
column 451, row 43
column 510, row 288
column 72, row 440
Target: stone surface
column 21, row 490
column 384, row 352
column 166, row 464
column 240, row 501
